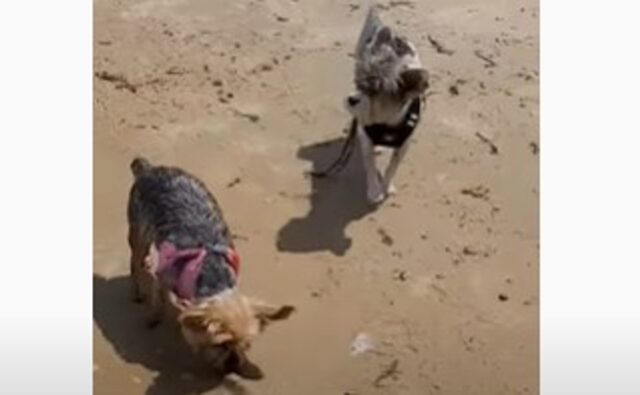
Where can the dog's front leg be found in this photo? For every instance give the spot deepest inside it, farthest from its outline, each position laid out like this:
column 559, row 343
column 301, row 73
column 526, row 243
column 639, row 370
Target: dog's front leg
column 156, row 301
column 375, row 193
column 136, row 263
column 394, row 162
column 153, row 288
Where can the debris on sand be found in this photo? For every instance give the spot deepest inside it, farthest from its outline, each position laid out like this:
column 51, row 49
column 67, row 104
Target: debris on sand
column 361, row 344
column 236, row 236
column 176, row 70
column 477, row 192
column 503, row 297
column 234, row 182
column 534, row 147
column 469, row 251
column 439, row 47
column 385, row 237
column 120, row 80
column 396, row 3
column 391, row 371
column 493, row 149
column 489, row 62
column 453, row 89
column 251, row 117
column 400, row 275
column 468, row 343
column 401, row 3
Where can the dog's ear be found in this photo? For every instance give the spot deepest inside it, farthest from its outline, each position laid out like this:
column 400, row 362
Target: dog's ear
column 383, row 36
column 414, row 82
column 267, row 313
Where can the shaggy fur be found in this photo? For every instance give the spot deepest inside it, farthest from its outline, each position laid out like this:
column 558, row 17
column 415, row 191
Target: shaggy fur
column 174, row 223
column 389, row 80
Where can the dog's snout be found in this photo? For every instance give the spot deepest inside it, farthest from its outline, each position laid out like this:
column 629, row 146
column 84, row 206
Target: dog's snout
column 353, row 100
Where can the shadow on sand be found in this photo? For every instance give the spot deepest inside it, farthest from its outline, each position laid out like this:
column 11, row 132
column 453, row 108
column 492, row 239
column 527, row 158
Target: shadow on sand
column 336, row 201
column 122, row 323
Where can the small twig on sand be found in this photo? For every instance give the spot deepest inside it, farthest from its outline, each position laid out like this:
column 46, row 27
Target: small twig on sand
column 236, row 236
column 234, row 182
column 389, row 371
column 119, row 80
column 439, row 47
column 400, row 3
column 477, row 192
column 251, row 117
column 489, row 62
column 486, row 140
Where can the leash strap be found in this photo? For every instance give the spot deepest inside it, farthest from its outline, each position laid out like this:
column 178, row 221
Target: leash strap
column 343, row 158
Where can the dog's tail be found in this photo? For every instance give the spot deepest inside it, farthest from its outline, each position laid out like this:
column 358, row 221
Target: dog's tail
column 372, row 24
column 140, row 165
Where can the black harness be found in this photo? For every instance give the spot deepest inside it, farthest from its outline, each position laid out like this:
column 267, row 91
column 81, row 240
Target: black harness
column 379, row 134
column 395, row 136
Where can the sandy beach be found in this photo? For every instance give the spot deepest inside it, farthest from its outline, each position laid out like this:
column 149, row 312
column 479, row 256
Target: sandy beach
column 443, row 278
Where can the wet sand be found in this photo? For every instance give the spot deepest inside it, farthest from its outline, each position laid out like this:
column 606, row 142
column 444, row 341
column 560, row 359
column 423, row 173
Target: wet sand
column 247, row 95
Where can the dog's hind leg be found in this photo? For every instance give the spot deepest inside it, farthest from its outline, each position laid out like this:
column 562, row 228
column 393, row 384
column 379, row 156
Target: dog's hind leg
column 394, row 162
column 375, row 193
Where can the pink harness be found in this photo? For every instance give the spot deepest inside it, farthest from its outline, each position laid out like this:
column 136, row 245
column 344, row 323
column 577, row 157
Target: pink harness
column 184, row 281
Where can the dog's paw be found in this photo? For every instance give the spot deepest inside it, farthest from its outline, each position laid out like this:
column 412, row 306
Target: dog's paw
column 376, row 197
column 391, row 190
column 376, row 193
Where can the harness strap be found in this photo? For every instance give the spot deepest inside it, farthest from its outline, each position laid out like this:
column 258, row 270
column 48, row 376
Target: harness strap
column 230, row 255
column 395, row 136
column 184, row 279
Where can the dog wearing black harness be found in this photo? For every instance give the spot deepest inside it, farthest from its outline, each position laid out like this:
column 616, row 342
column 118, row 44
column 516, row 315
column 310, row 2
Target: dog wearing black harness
column 387, row 106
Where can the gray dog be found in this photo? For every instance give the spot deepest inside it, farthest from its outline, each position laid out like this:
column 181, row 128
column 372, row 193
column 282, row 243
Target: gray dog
column 387, row 105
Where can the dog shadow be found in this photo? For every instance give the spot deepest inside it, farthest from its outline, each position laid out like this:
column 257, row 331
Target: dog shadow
column 336, row 201
column 122, row 323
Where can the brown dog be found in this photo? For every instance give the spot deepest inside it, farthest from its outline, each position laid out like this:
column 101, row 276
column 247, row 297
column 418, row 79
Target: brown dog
column 184, row 263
